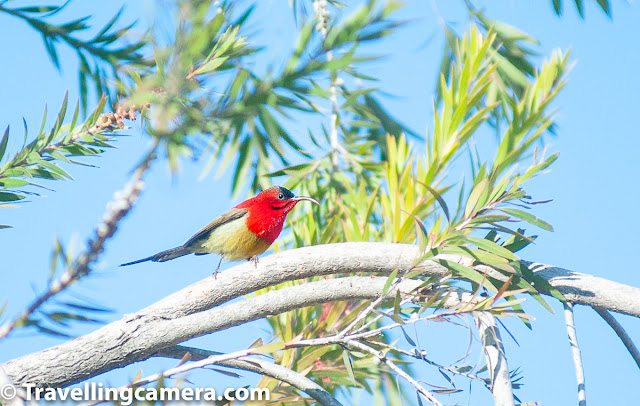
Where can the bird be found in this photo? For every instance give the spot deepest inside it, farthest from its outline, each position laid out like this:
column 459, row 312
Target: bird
column 244, row 232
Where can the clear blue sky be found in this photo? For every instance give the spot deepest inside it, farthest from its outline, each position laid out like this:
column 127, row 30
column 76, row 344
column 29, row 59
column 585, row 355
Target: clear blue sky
column 593, row 187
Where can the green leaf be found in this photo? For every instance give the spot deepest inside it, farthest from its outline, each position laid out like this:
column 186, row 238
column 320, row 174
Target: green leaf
column 347, row 363
column 54, row 169
column 517, row 241
column 389, row 281
column 604, row 5
column 492, row 247
column 57, row 155
column 13, row 182
column 211, row 65
column 37, row 9
column 474, row 197
column 406, row 337
column 580, row 7
column 3, row 143
column 396, row 303
column 10, row 197
column 439, row 199
column 61, row 114
column 541, row 284
column 529, row 218
column 467, row 273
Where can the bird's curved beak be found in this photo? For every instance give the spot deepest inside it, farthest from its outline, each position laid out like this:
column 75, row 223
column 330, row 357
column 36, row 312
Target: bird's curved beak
column 299, row 198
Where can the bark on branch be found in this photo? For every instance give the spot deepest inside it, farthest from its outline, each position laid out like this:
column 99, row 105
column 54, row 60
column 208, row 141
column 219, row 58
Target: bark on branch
column 192, row 311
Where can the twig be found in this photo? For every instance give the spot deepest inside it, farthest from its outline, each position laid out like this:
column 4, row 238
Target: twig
column 622, row 334
column 117, row 209
column 383, row 358
column 575, row 350
column 350, row 341
column 361, row 316
column 321, row 15
column 259, row 366
column 421, row 356
column 501, row 386
column 213, row 359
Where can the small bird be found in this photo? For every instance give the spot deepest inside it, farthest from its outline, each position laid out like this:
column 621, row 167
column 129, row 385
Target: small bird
column 243, row 232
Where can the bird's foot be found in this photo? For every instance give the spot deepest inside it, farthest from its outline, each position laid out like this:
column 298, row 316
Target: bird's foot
column 215, row 274
column 254, row 259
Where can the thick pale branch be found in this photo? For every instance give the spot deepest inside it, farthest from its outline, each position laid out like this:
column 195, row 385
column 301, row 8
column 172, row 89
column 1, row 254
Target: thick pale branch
column 190, row 312
column 137, row 337
column 590, row 290
column 10, row 394
column 371, row 257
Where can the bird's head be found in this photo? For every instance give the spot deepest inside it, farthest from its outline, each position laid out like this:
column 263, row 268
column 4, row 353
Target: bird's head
column 278, row 198
column 268, row 210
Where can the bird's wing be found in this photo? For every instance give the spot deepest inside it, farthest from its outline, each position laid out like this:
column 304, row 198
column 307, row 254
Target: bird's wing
column 204, row 234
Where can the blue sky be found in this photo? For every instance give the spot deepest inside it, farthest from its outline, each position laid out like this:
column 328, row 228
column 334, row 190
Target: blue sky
column 592, row 186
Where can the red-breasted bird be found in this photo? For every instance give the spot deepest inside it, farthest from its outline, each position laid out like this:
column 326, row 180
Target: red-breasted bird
column 243, row 232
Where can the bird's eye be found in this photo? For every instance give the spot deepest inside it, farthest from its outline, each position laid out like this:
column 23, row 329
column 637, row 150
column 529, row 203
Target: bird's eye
column 280, row 196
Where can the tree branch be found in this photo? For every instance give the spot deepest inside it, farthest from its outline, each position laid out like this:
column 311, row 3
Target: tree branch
column 259, row 366
column 501, row 386
column 622, row 334
column 188, row 313
column 575, row 351
column 10, row 394
column 117, row 209
column 137, row 337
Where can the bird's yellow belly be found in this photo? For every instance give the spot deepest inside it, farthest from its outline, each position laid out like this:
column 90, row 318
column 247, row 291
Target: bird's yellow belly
column 234, row 242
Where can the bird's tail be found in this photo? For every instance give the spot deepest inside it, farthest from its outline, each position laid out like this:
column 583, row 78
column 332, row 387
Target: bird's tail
column 164, row 255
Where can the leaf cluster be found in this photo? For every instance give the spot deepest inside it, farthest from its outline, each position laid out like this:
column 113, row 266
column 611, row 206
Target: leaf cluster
column 401, row 196
column 40, row 159
column 100, row 57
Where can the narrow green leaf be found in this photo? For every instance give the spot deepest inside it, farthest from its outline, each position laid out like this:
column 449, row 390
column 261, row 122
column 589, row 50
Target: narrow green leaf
column 406, row 337
column 492, row 247
column 396, row 303
column 61, row 114
column 580, row 7
column 37, row 9
column 3, row 143
column 13, row 182
column 540, row 284
column 10, row 197
column 211, row 65
column 57, row 155
column 468, row 274
column 604, row 5
column 54, row 169
column 389, row 281
column 347, row 363
column 439, row 199
column 474, row 197
column 529, row 218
